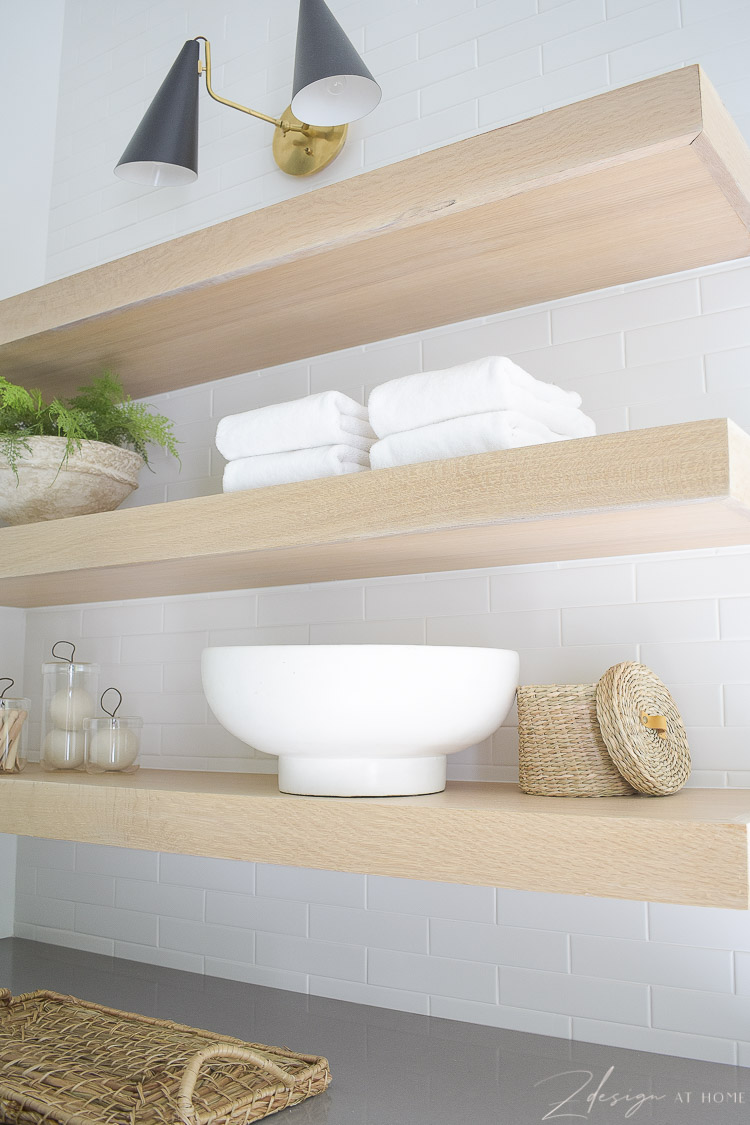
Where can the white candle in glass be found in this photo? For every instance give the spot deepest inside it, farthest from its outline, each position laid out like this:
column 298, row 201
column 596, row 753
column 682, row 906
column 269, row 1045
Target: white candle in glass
column 63, row 749
column 113, row 748
column 70, row 707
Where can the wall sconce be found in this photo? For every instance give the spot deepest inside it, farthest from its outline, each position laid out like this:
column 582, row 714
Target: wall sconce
column 332, row 86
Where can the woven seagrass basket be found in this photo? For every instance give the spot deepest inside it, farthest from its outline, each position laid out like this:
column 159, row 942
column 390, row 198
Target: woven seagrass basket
column 620, row 736
column 65, row 1061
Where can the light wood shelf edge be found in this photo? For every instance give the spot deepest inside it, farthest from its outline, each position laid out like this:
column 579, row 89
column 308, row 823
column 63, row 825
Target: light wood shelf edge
column 667, row 488
column 723, row 148
column 488, row 223
column 596, row 133
column 739, row 466
column 691, row 848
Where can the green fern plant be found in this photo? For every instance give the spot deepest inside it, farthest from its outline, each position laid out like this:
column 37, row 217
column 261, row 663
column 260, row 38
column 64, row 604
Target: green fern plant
column 99, row 411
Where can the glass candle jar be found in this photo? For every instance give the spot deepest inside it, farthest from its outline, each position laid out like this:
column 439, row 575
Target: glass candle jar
column 14, row 714
column 69, row 695
column 112, row 744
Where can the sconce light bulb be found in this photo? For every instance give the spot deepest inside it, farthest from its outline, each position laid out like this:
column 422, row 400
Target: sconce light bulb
column 336, row 85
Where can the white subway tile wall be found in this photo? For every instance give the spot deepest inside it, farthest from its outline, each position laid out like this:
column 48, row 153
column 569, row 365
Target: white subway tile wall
column 673, row 980
column 663, row 978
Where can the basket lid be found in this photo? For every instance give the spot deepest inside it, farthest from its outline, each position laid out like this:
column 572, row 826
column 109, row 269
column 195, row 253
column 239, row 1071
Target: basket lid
column 642, row 729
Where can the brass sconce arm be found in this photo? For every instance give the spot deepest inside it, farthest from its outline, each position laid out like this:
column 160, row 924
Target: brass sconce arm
column 298, row 148
column 205, row 68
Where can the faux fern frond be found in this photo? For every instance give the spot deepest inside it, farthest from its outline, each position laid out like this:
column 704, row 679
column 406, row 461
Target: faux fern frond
column 11, row 448
column 99, row 411
column 15, row 399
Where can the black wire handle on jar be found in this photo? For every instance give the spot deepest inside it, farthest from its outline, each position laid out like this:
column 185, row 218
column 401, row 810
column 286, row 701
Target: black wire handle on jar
column 8, row 685
column 111, row 714
column 68, row 658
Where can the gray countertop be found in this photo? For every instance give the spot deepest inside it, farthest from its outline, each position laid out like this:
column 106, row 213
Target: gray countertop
column 393, row 1068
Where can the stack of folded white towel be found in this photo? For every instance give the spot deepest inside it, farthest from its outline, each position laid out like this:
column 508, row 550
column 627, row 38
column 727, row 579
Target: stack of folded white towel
column 322, row 435
column 476, row 407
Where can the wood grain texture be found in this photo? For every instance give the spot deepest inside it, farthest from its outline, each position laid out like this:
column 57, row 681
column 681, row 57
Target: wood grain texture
column 663, row 489
column 722, row 148
column 490, row 223
column 691, row 848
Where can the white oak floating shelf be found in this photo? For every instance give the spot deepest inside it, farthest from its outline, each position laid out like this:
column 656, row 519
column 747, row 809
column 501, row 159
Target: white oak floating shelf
column 691, row 848
column 634, row 183
column 662, row 489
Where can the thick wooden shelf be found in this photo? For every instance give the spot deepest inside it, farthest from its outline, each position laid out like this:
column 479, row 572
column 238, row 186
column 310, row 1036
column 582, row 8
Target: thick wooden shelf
column 663, row 489
column 634, row 183
column 690, row 848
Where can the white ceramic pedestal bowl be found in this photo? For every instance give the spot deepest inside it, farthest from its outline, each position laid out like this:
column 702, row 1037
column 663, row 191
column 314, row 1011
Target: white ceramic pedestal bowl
column 360, row 720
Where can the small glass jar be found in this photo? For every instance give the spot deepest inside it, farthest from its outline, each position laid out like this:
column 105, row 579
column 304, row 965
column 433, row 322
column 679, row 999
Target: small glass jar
column 69, row 695
column 14, row 714
column 112, row 744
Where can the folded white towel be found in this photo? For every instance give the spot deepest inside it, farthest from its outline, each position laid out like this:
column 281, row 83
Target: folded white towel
column 297, row 465
column 479, row 433
column 493, row 383
column 329, row 418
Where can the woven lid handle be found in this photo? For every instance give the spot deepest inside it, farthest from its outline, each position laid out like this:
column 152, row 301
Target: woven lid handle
column 655, row 722
column 184, row 1097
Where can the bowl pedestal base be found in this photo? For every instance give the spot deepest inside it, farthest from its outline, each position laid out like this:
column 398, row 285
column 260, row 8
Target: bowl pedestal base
column 361, row 777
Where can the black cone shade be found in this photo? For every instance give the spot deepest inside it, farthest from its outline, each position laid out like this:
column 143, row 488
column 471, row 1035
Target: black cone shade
column 163, row 151
column 332, row 85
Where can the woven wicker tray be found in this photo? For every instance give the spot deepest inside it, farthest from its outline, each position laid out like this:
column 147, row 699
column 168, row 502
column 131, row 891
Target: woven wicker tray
column 65, row 1061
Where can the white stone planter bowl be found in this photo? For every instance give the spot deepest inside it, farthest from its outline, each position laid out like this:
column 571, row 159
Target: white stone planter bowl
column 360, row 720
column 97, row 478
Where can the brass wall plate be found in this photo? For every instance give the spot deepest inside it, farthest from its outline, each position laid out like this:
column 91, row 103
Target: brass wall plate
column 301, row 154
